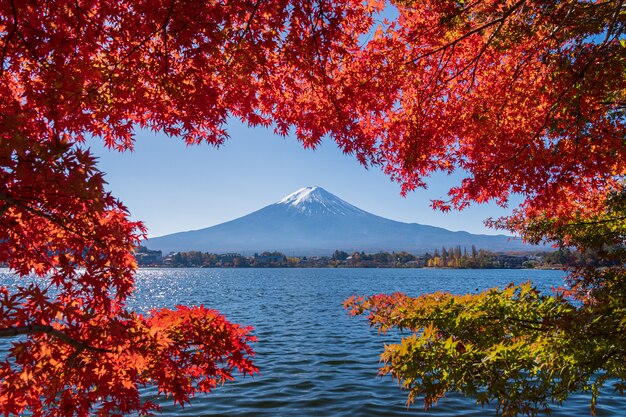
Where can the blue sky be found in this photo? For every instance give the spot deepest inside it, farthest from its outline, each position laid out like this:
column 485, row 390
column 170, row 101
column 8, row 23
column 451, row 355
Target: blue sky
column 173, row 187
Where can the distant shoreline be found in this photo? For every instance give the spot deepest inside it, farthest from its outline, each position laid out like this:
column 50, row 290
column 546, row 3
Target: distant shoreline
column 443, row 258
column 548, row 268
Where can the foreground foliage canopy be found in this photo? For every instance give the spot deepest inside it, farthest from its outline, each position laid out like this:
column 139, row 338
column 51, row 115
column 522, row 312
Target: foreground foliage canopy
column 527, row 97
column 522, row 96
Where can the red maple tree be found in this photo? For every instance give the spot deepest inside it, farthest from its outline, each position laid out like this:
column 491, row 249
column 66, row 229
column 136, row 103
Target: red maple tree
column 526, row 97
column 77, row 69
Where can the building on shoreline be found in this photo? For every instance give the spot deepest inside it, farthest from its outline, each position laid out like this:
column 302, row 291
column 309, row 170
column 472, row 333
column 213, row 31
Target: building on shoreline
column 147, row 257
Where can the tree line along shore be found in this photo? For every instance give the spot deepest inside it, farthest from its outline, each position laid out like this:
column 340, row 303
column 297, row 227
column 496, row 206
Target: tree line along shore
column 456, row 257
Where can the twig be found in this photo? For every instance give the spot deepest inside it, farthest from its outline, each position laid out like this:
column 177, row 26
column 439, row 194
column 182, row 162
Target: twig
column 38, row 328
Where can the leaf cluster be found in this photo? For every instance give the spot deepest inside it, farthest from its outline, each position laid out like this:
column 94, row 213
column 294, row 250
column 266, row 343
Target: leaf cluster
column 514, row 347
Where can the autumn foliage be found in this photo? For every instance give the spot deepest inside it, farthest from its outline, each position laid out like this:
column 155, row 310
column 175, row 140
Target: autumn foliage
column 521, row 96
column 525, row 97
column 85, row 352
column 515, row 348
column 182, row 351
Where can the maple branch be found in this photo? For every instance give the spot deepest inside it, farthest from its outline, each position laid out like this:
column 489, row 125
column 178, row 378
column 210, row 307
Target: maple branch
column 331, row 97
column 38, row 328
column 5, row 47
column 12, row 201
column 448, row 19
column 168, row 17
column 514, row 77
column 560, row 25
column 477, row 58
column 618, row 104
column 441, row 66
column 131, row 52
column 452, row 44
column 245, row 32
column 45, row 257
column 613, row 21
column 5, row 208
column 552, row 108
column 501, row 19
column 512, row 158
column 30, row 49
column 524, row 323
column 93, row 22
column 613, row 219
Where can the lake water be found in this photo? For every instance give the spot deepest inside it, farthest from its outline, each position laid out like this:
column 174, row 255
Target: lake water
column 314, row 359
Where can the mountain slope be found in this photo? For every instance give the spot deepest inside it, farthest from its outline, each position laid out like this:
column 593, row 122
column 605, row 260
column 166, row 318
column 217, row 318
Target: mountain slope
column 313, row 221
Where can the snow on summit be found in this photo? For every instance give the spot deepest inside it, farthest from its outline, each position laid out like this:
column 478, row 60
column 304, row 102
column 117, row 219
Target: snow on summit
column 305, row 194
column 316, row 200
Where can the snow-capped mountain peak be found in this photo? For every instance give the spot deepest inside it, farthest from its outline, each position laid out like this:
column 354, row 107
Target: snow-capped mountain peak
column 316, row 200
column 313, row 221
column 303, row 195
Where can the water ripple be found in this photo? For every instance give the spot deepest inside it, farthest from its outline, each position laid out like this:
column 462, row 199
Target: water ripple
column 314, row 360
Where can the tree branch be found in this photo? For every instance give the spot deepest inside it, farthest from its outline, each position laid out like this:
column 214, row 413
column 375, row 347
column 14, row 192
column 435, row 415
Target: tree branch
column 13, row 202
column 134, row 49
column 8, row 39
column 38, row 328
column 470, row 33
column 5, row 208
column 244, row 33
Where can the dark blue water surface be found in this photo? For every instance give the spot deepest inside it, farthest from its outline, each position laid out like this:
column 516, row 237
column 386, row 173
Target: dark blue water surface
column 314, row 359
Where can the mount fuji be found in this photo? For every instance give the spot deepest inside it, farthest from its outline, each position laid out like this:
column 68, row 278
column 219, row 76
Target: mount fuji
column 313, row 221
